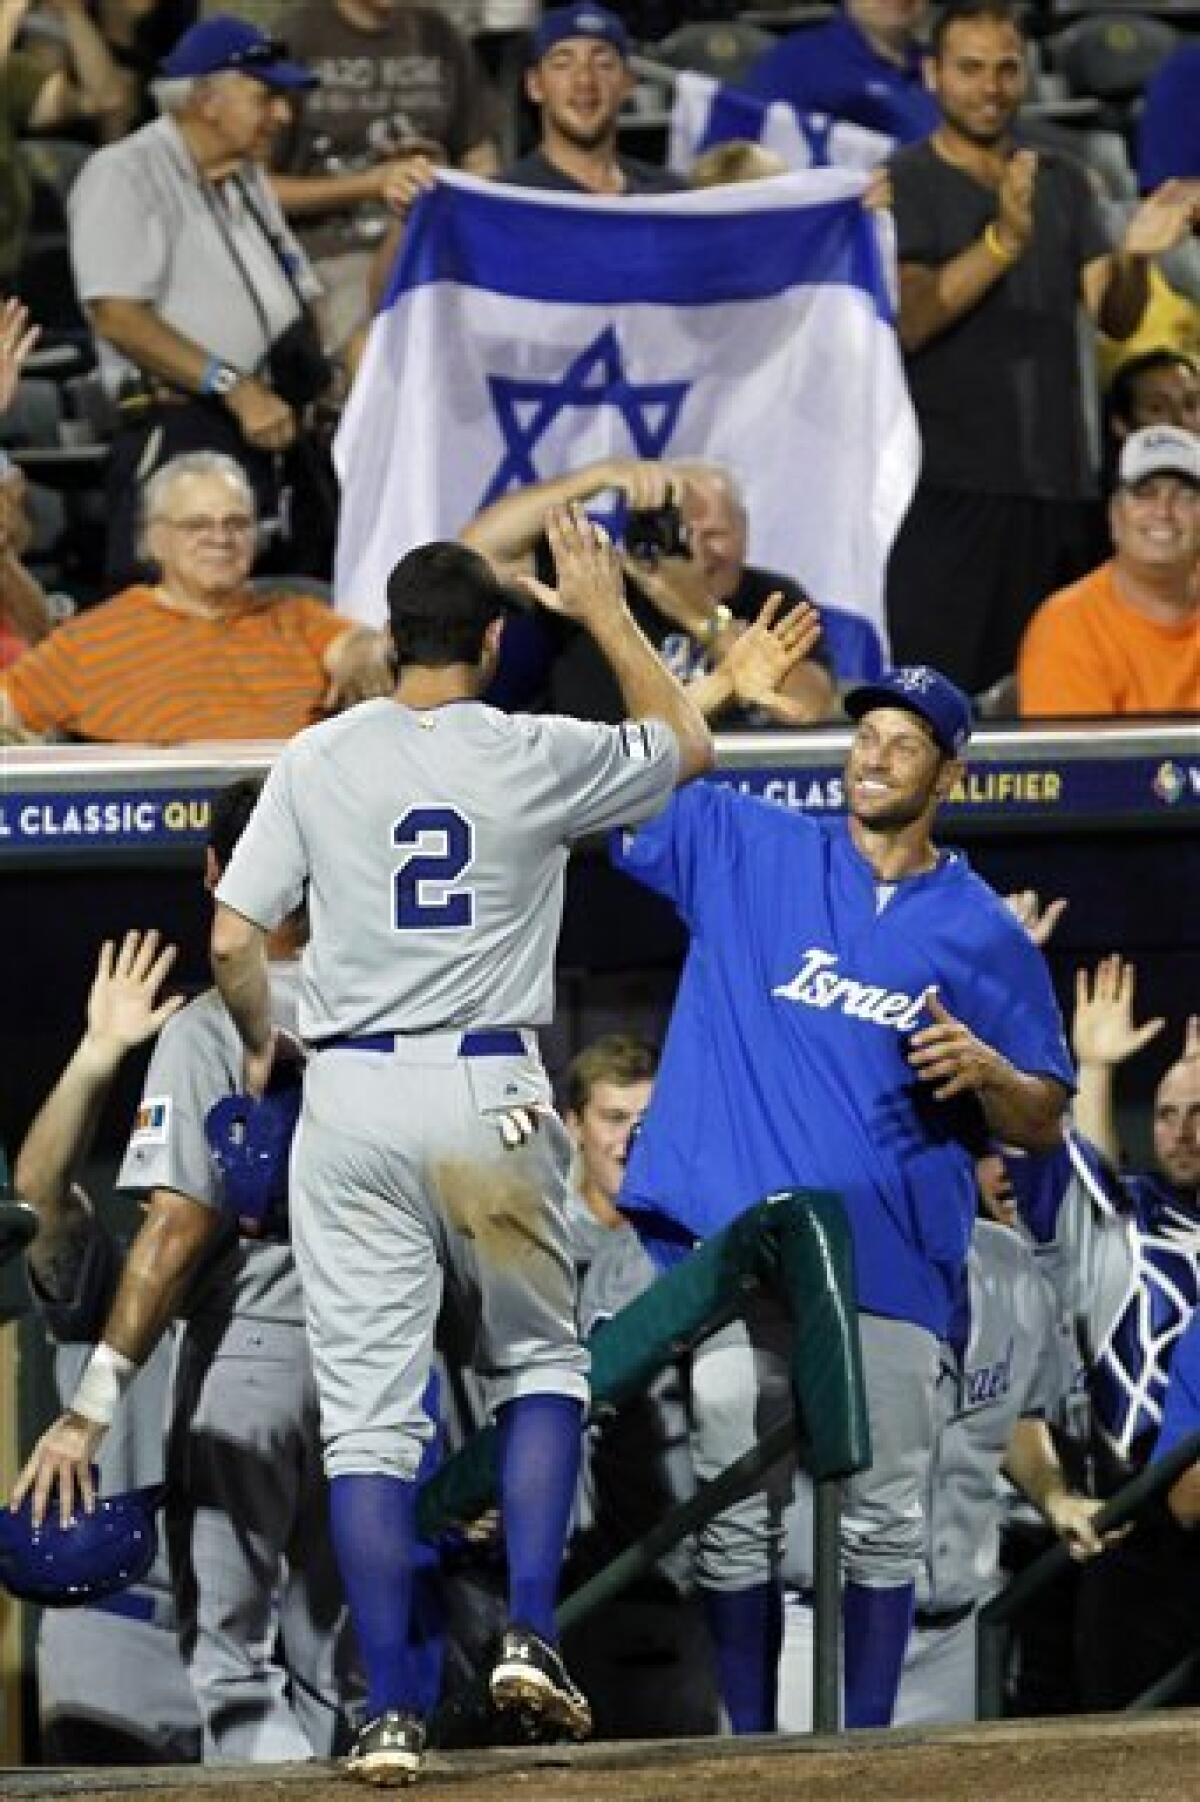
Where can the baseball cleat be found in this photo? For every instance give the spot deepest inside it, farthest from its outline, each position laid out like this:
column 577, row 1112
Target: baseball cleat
column 388, row 1750
column 530, row 1679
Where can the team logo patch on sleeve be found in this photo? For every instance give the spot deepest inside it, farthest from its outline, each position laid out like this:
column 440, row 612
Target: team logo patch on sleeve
column 635, row 741
column 152, row 1121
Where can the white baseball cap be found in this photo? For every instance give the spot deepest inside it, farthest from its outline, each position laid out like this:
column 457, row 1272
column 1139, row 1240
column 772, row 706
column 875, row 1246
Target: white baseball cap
column 1159, row 450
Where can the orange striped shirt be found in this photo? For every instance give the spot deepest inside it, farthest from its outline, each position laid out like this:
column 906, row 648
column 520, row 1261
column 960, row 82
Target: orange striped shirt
column 134, row 671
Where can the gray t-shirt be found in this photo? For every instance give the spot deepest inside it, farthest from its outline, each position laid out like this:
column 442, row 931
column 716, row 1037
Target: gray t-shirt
column 430, row 849
column 998, row 395
column 147, row 226
column 197, row 1060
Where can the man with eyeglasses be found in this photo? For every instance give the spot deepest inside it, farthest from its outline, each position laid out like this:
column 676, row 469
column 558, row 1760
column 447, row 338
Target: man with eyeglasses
column 199, row 295
column 199, row 654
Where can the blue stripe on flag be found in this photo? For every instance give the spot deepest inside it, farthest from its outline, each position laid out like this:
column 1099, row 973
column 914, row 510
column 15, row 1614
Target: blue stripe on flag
column 649, row 252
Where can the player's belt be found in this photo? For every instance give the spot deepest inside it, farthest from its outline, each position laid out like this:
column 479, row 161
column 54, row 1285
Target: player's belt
column 939, row 1620
column 500, row 1041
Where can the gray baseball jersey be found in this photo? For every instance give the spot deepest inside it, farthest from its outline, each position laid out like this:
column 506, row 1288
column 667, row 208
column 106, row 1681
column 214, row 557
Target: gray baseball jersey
column 247, row 1511
column 196, row 1060
column 430, row 848
column 1014, row 1365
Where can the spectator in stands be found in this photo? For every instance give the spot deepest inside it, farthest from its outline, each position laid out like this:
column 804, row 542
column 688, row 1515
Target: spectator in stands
column 997, row 247
column 200, row 655
column 737, row 159
column 578, row 77
column 139, row 33
column 864, row 66
column 691, row 601
column 1169, row 127
column 396, row 80
column 195, row 288
column 1161, row 387
column 1156, row 387
column 24, row 615
column 36, row 96
column 1126, row 639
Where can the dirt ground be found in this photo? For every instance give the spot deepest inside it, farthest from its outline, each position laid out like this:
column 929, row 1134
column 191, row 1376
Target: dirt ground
column 1156, row 1759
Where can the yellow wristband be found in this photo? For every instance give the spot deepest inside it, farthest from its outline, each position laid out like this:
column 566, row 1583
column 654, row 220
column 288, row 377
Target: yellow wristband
column 991, row 243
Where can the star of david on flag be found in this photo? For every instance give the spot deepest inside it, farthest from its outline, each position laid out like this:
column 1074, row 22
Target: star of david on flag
column 525, row 334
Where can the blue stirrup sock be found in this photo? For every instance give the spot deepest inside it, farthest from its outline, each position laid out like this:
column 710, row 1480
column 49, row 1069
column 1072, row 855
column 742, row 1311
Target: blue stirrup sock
column 374, row 1526
column 876, row 1624
column 747, row 1633
column 540, row 1439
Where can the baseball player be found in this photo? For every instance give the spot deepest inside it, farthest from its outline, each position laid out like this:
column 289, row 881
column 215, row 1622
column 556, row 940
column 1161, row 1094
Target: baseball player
column 112, row 1688
column 430, row 834
column 1001, row 1375
column 1181, row 1416
column 247, row 1516
column 1123, row 1253
column 855, row 1006
column 636, row 1462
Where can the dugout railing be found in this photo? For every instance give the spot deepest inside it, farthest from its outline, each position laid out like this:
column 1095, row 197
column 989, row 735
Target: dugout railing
column 796, row 1244
column 1121, row 1510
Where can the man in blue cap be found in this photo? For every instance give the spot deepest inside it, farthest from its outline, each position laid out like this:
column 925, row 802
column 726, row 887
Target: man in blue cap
column 578, row 77
column 191, row 279
column 857, row 1012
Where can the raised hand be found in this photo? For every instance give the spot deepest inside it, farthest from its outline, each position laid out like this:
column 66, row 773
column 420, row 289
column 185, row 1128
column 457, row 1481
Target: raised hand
column 17, row 339
column 1103, row 1031
column 1038, row 921
column 1014, row 217
column 122, row 1007
column 1163, row 220
column 762, row 657
column 587, row 569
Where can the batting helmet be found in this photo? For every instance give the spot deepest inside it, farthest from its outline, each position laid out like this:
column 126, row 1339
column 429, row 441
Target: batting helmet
column 251, row 1141
column 93, row 1556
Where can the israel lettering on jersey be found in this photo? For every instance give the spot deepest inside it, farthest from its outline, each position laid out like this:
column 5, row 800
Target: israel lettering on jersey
column 525, row 334
column 706, row 112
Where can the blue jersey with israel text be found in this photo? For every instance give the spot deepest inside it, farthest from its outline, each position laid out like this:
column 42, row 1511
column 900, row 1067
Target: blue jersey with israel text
column 1181, row 1410
column 785, row 1063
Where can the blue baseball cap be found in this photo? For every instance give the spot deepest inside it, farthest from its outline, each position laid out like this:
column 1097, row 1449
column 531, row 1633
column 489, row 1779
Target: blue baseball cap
column 584, row 20
column 223, row 43
column 923, row 691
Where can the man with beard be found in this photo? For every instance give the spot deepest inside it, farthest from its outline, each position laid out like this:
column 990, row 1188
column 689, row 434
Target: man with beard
column 857, row 1009
column 578, row 77
column 998, row 245
column 1123, row 1253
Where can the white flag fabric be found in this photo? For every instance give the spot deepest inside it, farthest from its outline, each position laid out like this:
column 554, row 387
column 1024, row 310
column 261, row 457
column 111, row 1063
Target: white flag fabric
column 525, row 334
column 705, row 112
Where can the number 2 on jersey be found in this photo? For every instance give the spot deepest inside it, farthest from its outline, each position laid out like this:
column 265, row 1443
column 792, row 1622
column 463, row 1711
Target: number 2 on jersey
column 441, row 847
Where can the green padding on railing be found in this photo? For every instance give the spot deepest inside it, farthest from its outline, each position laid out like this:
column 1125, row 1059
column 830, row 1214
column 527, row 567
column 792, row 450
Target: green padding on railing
column 798, row 1241
column 816, row 1279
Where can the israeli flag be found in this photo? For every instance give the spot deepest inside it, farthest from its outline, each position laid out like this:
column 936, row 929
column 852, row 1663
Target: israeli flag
column 705, row 112
column 524, row 334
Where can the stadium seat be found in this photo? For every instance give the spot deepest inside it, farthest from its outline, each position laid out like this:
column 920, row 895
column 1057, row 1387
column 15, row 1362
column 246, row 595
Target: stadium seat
column 1111, row 56
column 727, row 49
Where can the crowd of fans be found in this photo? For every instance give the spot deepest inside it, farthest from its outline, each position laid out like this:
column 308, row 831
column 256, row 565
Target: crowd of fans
column 234, row 208
column 230, row 207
